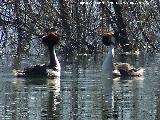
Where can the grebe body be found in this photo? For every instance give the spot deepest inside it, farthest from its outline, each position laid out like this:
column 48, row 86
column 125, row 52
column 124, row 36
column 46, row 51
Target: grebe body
column 112, row 69
column 51, row 70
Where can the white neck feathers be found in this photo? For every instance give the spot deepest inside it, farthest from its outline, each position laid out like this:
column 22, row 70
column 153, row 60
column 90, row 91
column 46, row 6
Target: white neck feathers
column 107, row 66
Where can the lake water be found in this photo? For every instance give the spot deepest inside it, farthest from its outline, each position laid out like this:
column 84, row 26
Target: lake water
column 81, row 93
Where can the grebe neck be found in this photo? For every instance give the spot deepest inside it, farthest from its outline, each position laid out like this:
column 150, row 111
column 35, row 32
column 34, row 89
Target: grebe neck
column 110, row 52
column 107, row 66
column 53, row 58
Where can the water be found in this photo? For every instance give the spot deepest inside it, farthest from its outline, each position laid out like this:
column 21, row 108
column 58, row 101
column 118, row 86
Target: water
column 81, row 93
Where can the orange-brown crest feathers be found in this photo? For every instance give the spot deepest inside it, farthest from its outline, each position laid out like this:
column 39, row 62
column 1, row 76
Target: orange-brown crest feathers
column 53, row 34
column 109, row 35
column 106, row 39
column 51, row 39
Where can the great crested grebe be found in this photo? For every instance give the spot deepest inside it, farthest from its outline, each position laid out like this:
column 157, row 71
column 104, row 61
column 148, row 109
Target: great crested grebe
column 51, row 70
column 117, row 69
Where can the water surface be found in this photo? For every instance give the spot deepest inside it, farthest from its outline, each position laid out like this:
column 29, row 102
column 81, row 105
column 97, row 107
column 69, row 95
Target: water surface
column 81, row 93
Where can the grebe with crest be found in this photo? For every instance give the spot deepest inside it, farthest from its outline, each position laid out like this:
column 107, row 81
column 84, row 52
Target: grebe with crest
column 114, row 70
column 53, row 69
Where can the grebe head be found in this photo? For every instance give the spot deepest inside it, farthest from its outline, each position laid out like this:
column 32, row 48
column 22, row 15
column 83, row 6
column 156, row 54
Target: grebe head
column 108, row 39
column 52, row 38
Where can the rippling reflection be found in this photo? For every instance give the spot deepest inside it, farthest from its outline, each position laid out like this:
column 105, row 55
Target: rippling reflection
column 82, row 92
column 134, row 98
column 29, row 99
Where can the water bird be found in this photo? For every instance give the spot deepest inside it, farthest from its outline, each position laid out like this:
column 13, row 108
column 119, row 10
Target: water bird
column 117, row 69
column 53, row 69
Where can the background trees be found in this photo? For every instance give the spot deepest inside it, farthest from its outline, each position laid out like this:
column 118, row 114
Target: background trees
column 80, row 24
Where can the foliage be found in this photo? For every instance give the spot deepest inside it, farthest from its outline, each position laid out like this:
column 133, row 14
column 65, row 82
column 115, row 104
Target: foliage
column 79, row 23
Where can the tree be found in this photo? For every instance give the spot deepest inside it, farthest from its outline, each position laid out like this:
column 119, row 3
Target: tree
column 80, row 24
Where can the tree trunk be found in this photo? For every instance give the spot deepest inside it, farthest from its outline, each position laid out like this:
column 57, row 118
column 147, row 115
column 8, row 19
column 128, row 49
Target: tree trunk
column 124, row 42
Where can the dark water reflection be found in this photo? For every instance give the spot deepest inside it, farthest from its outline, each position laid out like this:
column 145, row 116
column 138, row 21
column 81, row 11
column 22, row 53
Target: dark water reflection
column 82, row 92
